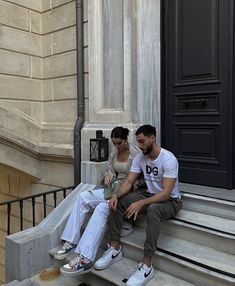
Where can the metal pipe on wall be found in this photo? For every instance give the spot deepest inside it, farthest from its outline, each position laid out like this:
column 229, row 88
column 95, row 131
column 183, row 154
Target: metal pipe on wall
column 80, row 93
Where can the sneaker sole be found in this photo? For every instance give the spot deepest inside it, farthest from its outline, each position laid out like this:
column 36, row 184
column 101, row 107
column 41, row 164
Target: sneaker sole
column 63, row 256
column 151, row 276
column 116, row 259
column 74, row 273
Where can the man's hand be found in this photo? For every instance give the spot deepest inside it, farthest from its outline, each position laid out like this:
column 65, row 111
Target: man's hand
column 113, row 202
column 134, row 209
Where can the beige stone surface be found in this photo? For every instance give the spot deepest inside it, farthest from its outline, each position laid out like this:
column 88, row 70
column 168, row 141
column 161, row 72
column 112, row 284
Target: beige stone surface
column 23, row 88
column 20, row 160
column 45, row 5
column 85, row 34
column 65, row 88
column 64, row 40
column 35, row 22
column 23, row 106
column 36, row 110
column 59, row 65
column 85, row 10
column 13, row 15
column 60, row 174
column 2, row 273
column 56, row 3
column 31, row 4
column 55, row 134
column 14, row 63
column 46, row 45
column 59, row 18
column 20, row 41
column 54, row 110
column 36, row 67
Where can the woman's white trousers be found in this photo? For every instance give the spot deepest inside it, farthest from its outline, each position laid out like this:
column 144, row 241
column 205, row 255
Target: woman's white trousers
column 87, row 243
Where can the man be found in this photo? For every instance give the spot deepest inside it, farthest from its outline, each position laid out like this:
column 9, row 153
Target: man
column 159, row 202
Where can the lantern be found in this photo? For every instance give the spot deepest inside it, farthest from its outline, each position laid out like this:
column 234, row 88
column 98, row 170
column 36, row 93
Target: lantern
column 99, row 147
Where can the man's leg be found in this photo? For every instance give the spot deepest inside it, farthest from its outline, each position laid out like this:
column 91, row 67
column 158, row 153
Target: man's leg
column 114, row 252
column 156, row 214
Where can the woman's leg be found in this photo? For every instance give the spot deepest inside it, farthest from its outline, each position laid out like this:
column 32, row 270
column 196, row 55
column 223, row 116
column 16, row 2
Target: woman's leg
column 94, row 232
column 86, row 201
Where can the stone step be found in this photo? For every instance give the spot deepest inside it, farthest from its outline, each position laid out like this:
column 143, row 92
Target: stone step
column 185, row 259
column 209, row 205
column 116, row 273
column 200, row 228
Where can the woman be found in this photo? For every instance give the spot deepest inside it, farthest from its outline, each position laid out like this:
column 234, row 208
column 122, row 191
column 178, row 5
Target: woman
column 86, row 245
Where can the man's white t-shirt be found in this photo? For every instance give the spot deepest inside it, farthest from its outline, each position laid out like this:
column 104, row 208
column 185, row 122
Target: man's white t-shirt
column 164, row 166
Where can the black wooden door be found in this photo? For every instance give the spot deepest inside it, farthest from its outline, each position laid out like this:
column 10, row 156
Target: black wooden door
column 197, row 88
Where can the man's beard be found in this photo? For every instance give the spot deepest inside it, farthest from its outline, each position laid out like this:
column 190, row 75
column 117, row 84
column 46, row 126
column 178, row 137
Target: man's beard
column 148, row 150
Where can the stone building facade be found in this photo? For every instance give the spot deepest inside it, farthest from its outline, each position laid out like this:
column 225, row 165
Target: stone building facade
column 38, row 85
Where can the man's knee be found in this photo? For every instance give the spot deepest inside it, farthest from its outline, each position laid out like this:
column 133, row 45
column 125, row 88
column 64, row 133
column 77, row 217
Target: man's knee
column 153, row 212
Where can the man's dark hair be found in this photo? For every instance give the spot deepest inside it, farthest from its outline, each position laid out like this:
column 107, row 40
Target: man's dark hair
column 147, row 130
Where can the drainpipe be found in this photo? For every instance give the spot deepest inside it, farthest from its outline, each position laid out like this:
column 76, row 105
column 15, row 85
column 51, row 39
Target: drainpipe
column 80, row 93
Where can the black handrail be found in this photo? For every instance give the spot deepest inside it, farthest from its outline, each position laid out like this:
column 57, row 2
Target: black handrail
column 32, row 198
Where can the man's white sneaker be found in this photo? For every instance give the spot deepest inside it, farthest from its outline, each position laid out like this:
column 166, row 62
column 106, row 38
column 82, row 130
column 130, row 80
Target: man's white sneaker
column 141, row 276
column 109, row 257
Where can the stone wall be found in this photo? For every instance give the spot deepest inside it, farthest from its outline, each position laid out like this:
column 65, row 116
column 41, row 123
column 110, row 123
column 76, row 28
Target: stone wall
column 38, row 97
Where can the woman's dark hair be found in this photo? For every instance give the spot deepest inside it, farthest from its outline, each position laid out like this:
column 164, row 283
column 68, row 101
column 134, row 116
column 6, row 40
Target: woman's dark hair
column 120, row 132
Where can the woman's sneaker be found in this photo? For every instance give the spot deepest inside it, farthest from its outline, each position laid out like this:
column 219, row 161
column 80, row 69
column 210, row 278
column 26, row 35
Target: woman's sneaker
column 141, row 276
column 109, row 257
column 77, row 266
column 65, row 250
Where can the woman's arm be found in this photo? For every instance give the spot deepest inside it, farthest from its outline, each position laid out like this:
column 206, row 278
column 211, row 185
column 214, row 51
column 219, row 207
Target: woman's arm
column 124, row 189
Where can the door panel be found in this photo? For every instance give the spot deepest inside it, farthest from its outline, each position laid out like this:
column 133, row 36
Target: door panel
column 197, row 88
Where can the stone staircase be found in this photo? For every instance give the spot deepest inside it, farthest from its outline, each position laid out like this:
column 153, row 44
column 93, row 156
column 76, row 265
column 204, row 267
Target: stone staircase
column 195, row 248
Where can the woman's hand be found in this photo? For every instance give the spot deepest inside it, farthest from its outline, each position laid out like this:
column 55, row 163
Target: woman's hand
column 113, row 202
column 107, row 180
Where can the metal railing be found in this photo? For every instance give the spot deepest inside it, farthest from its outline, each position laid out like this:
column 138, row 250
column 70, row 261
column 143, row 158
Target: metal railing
column 32, row 198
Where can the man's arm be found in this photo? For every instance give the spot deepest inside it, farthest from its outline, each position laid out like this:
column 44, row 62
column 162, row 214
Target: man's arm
column 164, row 195
column 124, row 189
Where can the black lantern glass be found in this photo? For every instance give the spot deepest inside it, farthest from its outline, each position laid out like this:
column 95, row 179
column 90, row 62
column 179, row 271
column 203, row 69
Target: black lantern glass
column 99, row 148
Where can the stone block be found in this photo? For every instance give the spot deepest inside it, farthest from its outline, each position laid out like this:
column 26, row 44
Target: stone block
column 14, row 181
column 56, row 3
column 57, row 173
column 31, row 4
column 45, row 5
column 20, row 41
column 22, row 106
column 85, row 10
column 35, row 22
column 86, row 65
column 60, row 111
column 14, row 16
column 13, row 63
column 46, row 45
column 86, row 85
column 65, row 88
column 36, row 67
column 36, row 111
column 20, row 125
column 47, row 89
column 59, row 65
column 85, row 34
column 59, row 18
column 20, row 160
column 2, row 237
column 58, row 135
column 19, row 88
column 2, row 256
column 2, row 274
column 64, row 40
